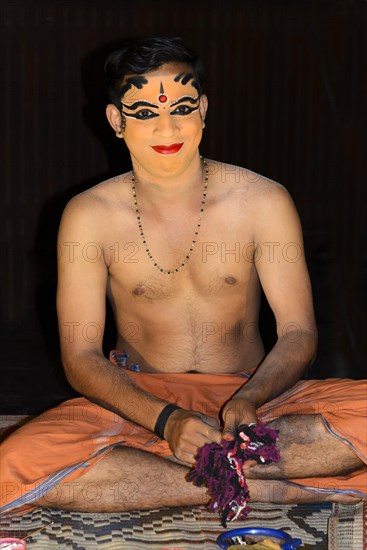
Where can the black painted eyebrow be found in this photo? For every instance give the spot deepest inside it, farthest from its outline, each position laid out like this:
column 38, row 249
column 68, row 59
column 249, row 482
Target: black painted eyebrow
column 138, row 81
column 186, row 99
column 185, row 78
column 195, row 85
column 139, row 104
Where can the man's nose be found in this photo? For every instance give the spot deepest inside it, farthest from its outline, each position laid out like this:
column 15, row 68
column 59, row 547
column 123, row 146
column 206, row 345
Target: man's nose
column 166, row 125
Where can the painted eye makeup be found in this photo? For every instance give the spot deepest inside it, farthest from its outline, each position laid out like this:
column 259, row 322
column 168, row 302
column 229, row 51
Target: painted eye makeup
column 146, row 110
column 183, row 110
column 144, row 114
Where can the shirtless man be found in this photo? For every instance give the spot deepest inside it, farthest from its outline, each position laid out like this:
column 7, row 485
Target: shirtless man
column 185, row 294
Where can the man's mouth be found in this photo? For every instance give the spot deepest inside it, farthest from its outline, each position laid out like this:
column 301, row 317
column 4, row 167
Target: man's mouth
column 167, row 149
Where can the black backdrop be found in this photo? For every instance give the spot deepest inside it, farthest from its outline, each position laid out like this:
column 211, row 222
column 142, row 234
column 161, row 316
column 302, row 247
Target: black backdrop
column 286, row 85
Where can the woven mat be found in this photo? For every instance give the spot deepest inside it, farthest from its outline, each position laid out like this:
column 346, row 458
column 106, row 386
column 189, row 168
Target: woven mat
column 348, row 527
column 319, row 526
column 178, row 528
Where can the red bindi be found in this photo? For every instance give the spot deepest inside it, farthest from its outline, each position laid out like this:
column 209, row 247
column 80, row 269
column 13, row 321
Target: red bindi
column 162, row 98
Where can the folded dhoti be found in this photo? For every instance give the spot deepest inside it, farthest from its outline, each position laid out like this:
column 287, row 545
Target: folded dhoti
column 63, row 443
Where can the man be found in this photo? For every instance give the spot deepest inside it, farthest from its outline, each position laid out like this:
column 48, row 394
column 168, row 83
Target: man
column 181, row 245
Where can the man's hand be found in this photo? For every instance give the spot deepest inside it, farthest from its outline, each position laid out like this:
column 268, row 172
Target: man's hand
column 186, row 431
column 237, row 411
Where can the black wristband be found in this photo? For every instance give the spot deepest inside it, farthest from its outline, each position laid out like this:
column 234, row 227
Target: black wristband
column 163, row 417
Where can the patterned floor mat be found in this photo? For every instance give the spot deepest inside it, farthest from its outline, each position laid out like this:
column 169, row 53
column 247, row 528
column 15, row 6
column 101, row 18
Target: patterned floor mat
column 178, row 528
column 347, row 527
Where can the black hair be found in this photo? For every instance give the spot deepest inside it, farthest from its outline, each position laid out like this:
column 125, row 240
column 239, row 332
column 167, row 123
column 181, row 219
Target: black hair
column 147, row 55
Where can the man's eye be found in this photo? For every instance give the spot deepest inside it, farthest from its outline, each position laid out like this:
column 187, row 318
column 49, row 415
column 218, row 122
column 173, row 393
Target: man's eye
column 145, row 114
column 183, row 110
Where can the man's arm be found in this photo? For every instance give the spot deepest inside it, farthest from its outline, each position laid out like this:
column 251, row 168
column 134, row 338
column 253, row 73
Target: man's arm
column 81, row 295
column 282, row 270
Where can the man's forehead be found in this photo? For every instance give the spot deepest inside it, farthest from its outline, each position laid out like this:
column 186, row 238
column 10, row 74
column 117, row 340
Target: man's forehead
column 173, row 77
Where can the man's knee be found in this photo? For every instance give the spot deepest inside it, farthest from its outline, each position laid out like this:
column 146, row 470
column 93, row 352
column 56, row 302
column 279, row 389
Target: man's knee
column 298, row 428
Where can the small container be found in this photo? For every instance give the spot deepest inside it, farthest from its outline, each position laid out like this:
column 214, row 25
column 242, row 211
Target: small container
column 286, row 542
column 12, row 544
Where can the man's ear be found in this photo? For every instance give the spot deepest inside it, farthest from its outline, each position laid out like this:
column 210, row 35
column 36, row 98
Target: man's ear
column 203, row 106
column 114, row 118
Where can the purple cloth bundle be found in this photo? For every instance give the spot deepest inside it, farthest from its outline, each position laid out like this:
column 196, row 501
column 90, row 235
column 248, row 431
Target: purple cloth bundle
column 219, row 468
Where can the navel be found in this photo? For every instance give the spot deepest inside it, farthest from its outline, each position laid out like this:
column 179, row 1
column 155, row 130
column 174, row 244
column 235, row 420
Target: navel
column 230, row 280
column 139, row 290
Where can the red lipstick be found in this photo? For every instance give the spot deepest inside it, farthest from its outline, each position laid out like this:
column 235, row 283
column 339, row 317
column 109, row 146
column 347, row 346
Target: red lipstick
column 167, row 149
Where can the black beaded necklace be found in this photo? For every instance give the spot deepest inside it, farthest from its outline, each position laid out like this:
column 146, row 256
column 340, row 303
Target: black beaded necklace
column 187, row 256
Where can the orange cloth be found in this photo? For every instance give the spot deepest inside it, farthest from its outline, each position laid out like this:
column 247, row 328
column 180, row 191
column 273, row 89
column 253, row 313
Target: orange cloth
column 65, row 442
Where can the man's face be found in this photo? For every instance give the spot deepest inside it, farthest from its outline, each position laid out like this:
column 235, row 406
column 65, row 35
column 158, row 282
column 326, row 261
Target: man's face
column 164, row 115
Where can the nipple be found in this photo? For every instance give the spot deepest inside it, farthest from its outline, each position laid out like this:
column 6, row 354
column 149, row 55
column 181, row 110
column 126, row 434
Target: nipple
column 230, row 280
column 139, row 290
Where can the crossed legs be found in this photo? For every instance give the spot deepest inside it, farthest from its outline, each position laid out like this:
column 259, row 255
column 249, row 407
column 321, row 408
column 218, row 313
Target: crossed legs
column 129, row 479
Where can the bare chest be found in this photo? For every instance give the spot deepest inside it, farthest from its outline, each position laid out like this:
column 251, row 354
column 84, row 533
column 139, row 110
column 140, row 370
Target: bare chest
column 215, row 269
column 174, row 257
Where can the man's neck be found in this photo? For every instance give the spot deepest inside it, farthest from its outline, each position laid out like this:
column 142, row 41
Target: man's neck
column 170, row 187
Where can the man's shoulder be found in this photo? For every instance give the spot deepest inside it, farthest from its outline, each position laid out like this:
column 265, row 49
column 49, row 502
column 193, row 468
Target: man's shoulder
column 101, row 196
column 93, row 211
column 241, row 181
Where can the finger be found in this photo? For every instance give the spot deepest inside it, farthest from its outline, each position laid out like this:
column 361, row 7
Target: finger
column 186, row 458
column 248, row 419
column 229, row 430
column 229, row 433
column 248, row 464
column 215, row 435
column 205, row 437
column 183, row 462
column 211, row 421
column 210, row 432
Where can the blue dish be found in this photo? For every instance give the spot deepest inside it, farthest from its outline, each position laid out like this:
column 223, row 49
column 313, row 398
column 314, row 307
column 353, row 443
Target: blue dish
column 225, row 539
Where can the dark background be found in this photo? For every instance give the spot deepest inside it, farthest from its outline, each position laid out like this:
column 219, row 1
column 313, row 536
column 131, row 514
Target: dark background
column 286, row 86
